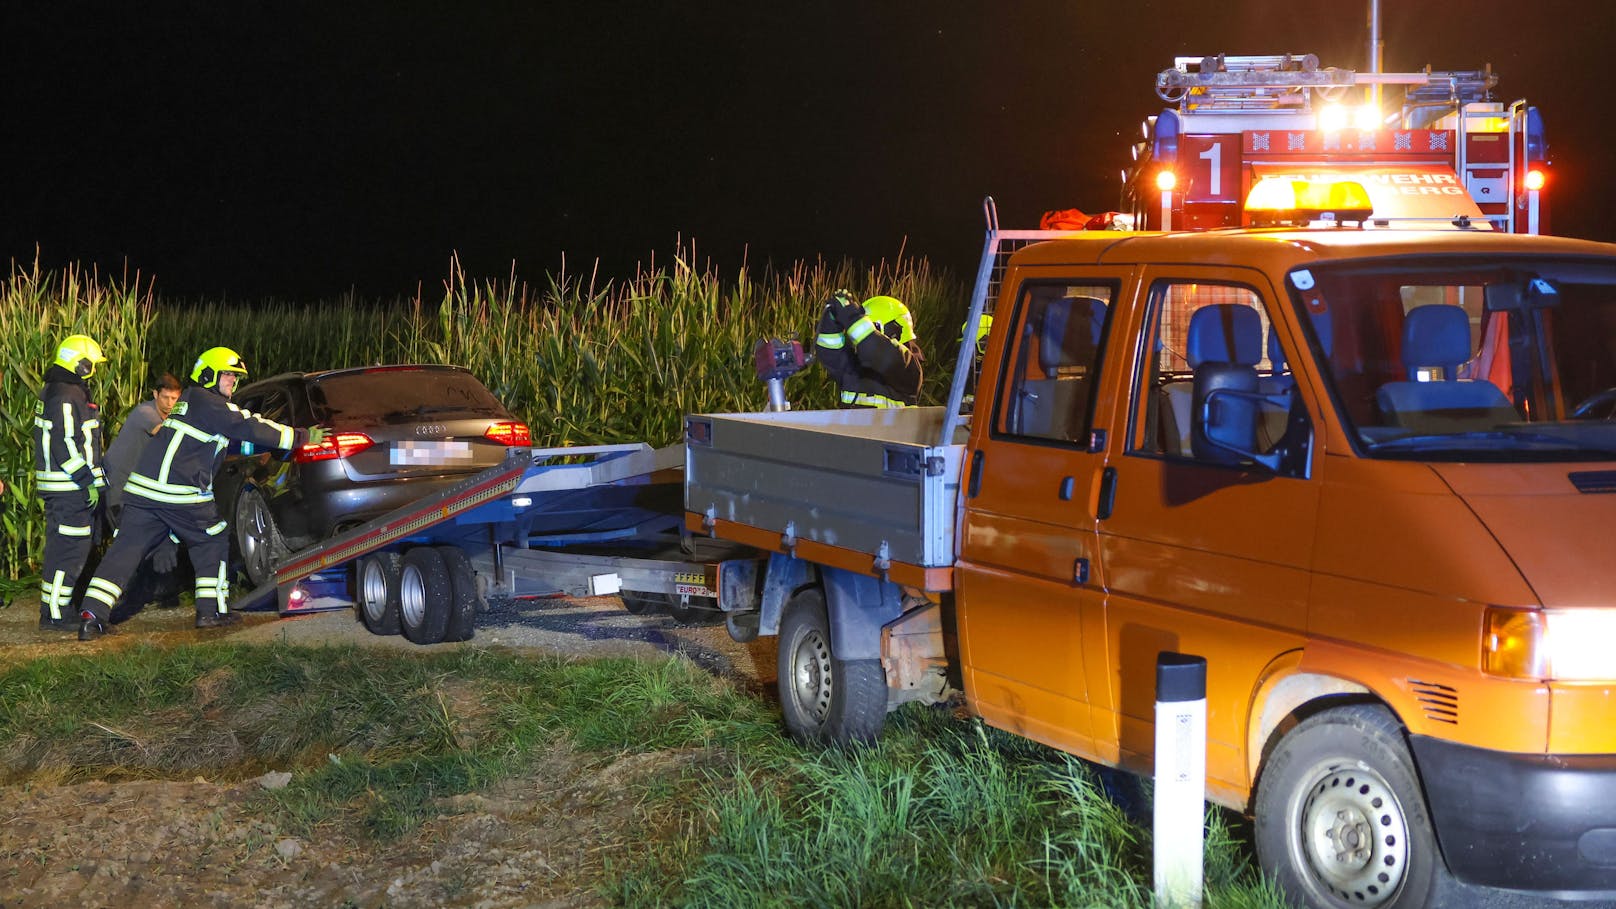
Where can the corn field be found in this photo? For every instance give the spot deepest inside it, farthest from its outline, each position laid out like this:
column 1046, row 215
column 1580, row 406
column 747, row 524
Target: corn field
column 582, row 364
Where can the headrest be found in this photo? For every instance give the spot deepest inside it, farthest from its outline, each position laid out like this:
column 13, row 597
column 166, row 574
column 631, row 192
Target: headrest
column 1069, row 331
column 1436, row 335
column 1225, row 333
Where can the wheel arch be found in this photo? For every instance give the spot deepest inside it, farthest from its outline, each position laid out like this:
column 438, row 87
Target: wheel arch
column 1286, row 694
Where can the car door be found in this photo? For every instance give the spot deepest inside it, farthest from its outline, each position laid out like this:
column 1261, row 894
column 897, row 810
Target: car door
column 1027, row 587
column 1202, row 551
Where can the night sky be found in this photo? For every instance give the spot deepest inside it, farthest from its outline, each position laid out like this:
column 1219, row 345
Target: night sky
column 302, row 150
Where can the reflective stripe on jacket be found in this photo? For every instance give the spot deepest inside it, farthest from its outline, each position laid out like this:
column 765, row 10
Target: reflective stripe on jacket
column 177, row 466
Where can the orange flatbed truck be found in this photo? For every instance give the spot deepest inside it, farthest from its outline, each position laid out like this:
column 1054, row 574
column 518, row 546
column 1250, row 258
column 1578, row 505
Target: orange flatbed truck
column 1368, row 475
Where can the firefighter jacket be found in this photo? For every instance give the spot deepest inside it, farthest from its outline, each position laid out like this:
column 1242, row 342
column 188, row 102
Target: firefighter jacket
column 178, row 465
column 67, row 435
column 871, row 369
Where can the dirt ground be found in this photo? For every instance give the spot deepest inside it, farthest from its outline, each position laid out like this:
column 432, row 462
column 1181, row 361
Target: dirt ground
column 540, row 841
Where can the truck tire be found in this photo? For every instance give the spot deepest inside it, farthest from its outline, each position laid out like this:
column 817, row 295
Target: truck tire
column 1341, row 820
column 462, row 594
column 424, row 595
column 377, row 593
column 825, row 700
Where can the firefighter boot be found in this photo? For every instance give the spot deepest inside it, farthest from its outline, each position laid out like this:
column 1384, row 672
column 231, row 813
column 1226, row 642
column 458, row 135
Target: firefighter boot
column 92, row 626
column 217, row 619
column 62, row 624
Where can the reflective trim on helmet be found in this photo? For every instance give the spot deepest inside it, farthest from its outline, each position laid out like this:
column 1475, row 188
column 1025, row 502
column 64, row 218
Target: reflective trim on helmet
column 831, row 341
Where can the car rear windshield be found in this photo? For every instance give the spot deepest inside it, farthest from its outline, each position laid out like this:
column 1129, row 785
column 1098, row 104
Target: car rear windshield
column 401, row 395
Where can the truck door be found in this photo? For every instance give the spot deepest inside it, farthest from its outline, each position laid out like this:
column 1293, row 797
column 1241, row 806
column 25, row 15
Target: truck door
column 1027, row 585
column 1203, row 552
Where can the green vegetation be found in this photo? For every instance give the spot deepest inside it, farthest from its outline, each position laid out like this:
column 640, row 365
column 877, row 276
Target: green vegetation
column 941, row 812
column 582, row 364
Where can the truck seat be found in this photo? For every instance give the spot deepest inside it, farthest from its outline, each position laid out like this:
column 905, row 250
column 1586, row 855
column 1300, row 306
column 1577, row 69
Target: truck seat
column 1437, row 336
column 1220, row 333
column 1068, row 329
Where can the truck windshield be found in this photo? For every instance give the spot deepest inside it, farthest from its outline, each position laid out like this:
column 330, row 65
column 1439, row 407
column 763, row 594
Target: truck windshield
column 1467, row 358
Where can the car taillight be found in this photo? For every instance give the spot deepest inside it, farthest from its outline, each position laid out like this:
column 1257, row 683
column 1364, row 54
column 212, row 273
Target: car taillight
column 509, row 432
column 340, row 445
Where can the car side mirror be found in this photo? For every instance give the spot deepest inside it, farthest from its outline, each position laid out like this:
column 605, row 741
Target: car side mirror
column 1225, row 409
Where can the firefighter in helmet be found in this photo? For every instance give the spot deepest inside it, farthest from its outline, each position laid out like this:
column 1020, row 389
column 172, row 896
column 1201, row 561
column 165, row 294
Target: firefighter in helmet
column 68, row 474
column 870, row 350
column 169, row 496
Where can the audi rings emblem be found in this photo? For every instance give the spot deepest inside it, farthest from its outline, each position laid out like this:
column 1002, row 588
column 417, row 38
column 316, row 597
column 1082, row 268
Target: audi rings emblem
column 431, row 429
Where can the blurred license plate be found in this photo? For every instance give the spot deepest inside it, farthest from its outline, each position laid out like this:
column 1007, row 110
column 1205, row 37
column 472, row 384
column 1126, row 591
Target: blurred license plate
column 415, row 453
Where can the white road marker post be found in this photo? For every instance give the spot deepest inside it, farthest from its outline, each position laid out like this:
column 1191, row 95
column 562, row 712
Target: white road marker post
column 1178, row 821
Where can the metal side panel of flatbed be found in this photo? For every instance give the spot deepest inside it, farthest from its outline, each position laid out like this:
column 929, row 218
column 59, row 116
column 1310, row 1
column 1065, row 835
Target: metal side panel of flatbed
column 871, row 482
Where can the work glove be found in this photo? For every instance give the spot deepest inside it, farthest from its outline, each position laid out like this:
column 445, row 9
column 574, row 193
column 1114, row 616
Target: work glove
column 94, row 494
column 844, row 309
column 166, row 557
column 318, row 434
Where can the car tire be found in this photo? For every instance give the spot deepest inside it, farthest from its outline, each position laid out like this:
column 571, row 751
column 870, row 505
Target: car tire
column 823, row 699
column 424, row 595
column 462, row 593
column 1341, row 820
column 377, row 593
column 258, row 541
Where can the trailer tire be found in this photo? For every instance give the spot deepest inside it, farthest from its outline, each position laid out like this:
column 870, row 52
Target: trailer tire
column 425, row 595
column 1340, row 817
column 377, row 594
column 825, row 700
column 463, row 594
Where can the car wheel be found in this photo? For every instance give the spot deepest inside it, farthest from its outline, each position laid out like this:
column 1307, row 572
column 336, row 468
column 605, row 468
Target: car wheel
column 258, row 540
column 463, row 594
column 1340, row 818
column 424, row 595
column 378, row 592
column 825, row 699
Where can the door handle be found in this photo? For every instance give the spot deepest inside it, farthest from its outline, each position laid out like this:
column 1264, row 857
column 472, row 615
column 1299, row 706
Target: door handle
column 975, row 484
column 1067, row 484
column 1105, row 494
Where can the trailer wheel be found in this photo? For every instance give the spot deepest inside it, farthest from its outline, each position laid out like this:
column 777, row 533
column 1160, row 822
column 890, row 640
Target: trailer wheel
column 825, row 699
column 463, row 594
column 378, row 592
column 1340, row 817
column 425, row 595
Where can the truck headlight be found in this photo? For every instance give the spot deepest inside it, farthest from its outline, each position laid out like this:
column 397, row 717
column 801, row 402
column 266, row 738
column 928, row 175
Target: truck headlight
column 1549, row 644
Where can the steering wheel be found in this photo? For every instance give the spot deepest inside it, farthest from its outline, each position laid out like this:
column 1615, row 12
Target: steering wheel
column 1590, row 407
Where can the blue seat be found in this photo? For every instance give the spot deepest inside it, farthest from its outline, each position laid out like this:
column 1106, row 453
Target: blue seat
column 1068, row 331
column 1228, row 333
column 1437, row 337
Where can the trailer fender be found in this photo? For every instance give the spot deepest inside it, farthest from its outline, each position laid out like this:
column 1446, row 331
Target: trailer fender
column 784, row 575
column 859, row 606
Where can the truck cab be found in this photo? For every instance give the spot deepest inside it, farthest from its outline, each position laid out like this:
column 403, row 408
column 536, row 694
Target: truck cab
column 1365, row 474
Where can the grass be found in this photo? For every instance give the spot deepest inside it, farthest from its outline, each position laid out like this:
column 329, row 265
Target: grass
column 582, row 362
column 942, row 811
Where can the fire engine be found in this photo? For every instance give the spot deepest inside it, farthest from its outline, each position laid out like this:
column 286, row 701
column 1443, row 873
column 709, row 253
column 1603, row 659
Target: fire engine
column 1250, row 136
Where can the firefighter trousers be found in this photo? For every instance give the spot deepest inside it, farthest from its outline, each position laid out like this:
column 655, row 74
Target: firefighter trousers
column 69, row 522
column 141, row 528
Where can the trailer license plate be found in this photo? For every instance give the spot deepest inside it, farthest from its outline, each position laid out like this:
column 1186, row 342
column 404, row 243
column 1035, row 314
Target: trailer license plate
column 416, row 453
column 695, row 590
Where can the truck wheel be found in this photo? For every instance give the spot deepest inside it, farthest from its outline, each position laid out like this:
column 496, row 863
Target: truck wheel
column 825, row 699
column 378, row 592
column 425, row 595
column 1340, row 817
column 463, row 594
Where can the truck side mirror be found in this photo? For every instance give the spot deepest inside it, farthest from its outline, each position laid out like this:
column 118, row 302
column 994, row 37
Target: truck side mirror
column 1225, row 408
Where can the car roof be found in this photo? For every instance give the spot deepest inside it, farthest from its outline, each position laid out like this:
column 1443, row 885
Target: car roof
column 318, row 375
column 1284, row 248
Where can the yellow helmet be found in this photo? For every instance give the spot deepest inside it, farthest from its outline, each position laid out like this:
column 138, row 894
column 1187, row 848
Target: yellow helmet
column 885, row 310
column 213, row 362
column 79, row 354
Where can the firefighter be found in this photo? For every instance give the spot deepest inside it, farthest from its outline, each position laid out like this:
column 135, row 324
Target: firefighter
column 68, row 475
column 170, row 493
column 870, row 350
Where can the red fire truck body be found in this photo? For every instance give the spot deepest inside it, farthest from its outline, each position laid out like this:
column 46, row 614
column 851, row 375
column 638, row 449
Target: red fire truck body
column 1243, row 126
